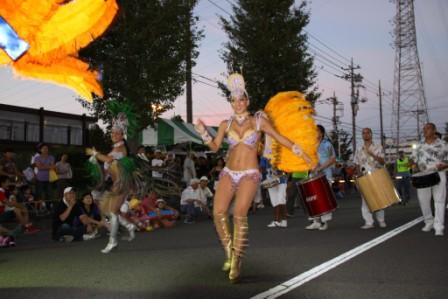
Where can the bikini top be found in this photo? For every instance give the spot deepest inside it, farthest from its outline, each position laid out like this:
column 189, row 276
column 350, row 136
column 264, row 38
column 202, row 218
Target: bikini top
column 250, row 136
column 116, row 156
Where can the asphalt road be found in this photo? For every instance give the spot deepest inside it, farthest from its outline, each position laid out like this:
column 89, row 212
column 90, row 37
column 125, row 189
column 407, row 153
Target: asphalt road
column 185, row 262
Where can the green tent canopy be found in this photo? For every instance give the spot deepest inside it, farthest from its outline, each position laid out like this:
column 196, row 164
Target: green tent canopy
column 169, row 132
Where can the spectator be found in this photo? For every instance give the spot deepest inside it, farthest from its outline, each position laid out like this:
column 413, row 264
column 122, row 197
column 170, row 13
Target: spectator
column 205, row 193
column 65, row 226
column 8, row 166
column 26, row 197
column 189, row 168
column 157, row 163
column 141, row 153
column 163, row 215
column 137, row 214
column 202, row 168
column 11, row 209
column 173, row 170
column 65, row 174
column 92, row 220
column 216, row 170
column 190, row 203
column 44, row 162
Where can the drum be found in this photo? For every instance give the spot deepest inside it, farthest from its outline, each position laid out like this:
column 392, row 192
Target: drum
column 317, row 196
column 378, row 190
column 425, row 179
column 271, row 182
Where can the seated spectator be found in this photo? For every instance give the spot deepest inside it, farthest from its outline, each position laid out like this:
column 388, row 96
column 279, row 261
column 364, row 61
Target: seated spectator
column 126, row 220
column 138, row 215
column 8, row 166
column 92, row 222
column 163, row 215
column 190, row 203
column 26, row 197
column 6, row 238
column 66, row 211
column 12, row 210
column 205, row 194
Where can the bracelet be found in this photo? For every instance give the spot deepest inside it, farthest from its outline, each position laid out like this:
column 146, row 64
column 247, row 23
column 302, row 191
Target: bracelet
column 206, row 137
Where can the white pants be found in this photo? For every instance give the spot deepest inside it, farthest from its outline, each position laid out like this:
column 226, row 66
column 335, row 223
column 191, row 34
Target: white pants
column 277, row 195
column 368, row 216
column 323, row 218
column 438, row 192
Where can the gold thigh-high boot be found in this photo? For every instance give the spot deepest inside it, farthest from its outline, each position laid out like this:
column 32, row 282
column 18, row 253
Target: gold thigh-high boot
column 240, row 242
column 223, row 229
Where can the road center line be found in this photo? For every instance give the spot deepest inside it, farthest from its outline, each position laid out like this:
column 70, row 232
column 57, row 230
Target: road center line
column 303, row 278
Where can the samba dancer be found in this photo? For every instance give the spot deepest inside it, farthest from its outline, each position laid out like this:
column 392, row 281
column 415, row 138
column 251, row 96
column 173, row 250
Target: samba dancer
column 113, row 199
column 241, row 174
column 368, row 158
column 327, row 158
column 430, row 155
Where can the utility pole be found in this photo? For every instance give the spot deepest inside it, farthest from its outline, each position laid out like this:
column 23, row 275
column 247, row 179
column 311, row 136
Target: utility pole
column 355, row 82
column 188, row 79
column 381, row 113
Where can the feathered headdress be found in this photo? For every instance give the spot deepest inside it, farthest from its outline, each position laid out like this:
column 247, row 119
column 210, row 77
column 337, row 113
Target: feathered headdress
column 124, row 118
column 236, row 86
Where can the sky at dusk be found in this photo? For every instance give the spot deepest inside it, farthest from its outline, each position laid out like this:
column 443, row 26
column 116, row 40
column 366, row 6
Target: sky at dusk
column 345, row 28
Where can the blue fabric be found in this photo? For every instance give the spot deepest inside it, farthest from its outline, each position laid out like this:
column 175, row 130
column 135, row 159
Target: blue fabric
column 326, row 151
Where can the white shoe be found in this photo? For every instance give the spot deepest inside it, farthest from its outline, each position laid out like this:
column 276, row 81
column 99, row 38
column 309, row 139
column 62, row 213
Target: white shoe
column 282, row 223
column 109, row 247
column 439, row 232
column 314, row 225
column 427, row 227
column 324, row 226
column 367, row 226
column 382, row 224
column 273, row 224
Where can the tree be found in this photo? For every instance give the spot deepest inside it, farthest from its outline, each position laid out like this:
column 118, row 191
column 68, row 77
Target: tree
column 142, row 57
column 344, row 140
column 268, row 45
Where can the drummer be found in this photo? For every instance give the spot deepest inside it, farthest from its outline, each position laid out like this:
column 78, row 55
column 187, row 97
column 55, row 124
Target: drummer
column 368, row 158
column 431, row 155
column 327, row 159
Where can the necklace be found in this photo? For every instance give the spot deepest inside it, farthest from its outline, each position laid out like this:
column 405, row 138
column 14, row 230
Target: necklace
column 241, row 118
column 119, row 143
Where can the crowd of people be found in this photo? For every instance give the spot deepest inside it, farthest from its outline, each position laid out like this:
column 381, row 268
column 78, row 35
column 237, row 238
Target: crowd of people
column 80, row 215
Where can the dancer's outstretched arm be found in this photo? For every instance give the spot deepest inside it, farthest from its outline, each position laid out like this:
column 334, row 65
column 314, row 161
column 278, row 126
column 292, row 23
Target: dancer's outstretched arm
column 213, row 144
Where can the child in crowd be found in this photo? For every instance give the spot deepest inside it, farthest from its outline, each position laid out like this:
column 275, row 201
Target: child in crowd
column 134, row 212
column 10, row 209
column 163, row 216
column 26, row 197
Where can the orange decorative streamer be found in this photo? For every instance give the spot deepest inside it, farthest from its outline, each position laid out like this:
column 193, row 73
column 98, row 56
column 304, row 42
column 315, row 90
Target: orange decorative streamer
column 292, row 117
column 55, row 31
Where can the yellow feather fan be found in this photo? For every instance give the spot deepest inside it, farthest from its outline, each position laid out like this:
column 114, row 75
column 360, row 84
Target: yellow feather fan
column 55, row 30
column 291, row 116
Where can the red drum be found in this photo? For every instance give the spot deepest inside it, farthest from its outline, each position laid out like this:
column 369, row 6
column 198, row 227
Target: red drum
column 317, row 196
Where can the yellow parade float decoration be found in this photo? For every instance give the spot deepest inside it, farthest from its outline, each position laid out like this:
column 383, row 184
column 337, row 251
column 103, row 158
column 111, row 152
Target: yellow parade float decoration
column 291, row 115
column 54, row 31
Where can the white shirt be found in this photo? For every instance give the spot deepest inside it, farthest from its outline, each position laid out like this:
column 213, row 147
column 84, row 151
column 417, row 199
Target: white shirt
column 366, row 161
column 204, row 194
column 189, row 193
column 157, row 163
column 189, row 170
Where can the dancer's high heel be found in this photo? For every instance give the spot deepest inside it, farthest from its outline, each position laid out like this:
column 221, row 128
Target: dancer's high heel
column 223, row 229
column 240, row 243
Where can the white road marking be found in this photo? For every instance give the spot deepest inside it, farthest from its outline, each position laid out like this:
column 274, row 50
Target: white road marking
column 303, row 278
